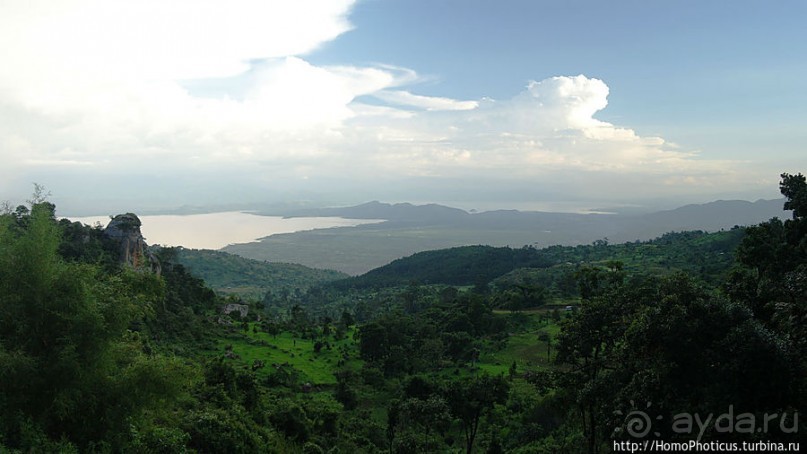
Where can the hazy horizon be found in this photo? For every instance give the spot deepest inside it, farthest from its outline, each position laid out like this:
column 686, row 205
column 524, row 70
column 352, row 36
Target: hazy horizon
column 151, row 106
column 98, row 212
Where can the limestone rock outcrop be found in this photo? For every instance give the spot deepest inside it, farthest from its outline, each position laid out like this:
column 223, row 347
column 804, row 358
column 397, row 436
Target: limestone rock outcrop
column 125, row 230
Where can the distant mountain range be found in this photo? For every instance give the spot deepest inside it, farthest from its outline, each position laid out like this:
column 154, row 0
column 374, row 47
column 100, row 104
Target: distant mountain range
column 414, row 228
column 400, row 212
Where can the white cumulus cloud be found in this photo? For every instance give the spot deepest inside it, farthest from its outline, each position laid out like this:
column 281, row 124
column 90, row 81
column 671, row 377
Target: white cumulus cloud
column 433, row 103
column 101, row 87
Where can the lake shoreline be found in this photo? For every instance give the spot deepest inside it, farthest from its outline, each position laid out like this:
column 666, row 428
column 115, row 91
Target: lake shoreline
column 219, row 230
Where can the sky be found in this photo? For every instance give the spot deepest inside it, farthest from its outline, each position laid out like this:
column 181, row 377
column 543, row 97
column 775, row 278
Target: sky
column 119, row 106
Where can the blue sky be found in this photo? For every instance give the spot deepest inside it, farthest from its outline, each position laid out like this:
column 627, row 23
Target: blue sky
column 529, row 104
column 706, row 71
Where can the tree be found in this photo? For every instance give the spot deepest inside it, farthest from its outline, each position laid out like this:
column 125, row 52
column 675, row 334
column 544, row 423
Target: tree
column 586, row 343
column 794, row 188
column 773, row 278
column 710, row 341
column 299, row 318
column 373, row 342
column 413, row 424
column 219, row 430
column 471, row 398
column 547, row 339
column 673, row 343
column 346, row 319
column 774, row 257
column 594, row 281
column 345, row 389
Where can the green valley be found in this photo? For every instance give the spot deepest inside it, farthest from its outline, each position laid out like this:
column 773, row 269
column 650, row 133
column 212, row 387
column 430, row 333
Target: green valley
column 109, row 345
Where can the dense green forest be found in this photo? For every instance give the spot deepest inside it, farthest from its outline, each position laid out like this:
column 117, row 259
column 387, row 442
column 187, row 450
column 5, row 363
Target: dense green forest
column 691, row 337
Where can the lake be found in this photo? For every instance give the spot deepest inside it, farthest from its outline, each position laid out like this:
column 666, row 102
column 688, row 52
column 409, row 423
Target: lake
column 217, row 230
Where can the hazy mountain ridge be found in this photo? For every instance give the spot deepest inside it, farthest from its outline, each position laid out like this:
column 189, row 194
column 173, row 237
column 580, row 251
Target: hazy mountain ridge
column 707, row 216
column 715, row 215
column 391, row 212
column 416, row 228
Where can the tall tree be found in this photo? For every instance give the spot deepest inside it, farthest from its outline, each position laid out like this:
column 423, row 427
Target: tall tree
column 470, row 399
column 773, row 278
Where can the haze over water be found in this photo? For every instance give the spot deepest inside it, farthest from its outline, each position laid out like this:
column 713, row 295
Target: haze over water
column 217, row 230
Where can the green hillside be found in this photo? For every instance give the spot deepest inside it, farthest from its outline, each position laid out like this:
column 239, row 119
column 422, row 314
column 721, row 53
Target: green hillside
column 706, row 255
column 228, row 273
column 465, row 265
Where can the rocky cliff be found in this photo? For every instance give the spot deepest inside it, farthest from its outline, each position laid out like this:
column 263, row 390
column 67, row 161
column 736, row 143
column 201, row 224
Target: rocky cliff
column 125, row 230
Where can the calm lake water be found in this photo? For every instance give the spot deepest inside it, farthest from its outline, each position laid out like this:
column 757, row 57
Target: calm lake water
column 216, row 230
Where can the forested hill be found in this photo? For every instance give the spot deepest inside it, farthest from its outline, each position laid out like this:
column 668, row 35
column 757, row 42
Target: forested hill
column 456, row 266
column 228, row 273
column 708, row 255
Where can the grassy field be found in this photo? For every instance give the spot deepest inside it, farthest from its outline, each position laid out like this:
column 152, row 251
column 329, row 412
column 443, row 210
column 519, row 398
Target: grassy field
column 285, row 348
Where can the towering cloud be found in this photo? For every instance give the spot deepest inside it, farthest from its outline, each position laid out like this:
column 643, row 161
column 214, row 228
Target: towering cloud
column 182, row 88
